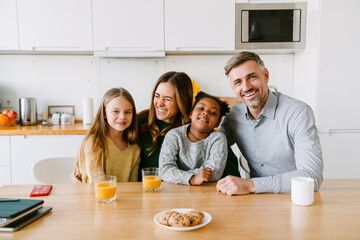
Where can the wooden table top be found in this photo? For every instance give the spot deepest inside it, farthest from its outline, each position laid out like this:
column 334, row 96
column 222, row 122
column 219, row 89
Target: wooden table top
column 335, row 213
column 56, row 129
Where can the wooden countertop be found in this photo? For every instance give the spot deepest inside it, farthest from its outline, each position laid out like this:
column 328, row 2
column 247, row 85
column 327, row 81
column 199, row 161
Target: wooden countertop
column 335, row 213
column 58, row 129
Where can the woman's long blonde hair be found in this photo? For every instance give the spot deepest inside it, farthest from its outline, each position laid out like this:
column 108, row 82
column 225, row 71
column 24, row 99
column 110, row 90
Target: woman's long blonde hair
column 100, row 128
column 183, row 95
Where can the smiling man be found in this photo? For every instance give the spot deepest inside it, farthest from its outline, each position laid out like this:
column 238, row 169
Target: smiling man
column 275, row 133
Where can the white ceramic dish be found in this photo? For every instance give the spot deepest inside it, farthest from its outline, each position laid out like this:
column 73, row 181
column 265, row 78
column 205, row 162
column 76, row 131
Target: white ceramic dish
column 206, row 220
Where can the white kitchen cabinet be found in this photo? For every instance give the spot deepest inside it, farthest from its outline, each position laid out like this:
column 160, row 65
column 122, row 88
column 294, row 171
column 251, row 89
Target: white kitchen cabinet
column 4, row 151
column 199, row 25
column 55, row 25
column 128, row 26
column 27, row 150
column 5, row 175
column 338, row 86
column 9, row 37
column 5, row 171
column 341, row 155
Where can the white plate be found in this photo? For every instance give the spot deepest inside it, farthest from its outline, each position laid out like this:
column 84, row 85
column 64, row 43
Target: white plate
column 206, row 220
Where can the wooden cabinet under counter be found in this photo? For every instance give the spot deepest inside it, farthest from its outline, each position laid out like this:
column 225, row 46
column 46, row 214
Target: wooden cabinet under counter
column 63, row 129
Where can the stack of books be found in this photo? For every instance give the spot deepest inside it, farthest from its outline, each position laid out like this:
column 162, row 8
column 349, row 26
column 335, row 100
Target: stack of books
column 17, row 213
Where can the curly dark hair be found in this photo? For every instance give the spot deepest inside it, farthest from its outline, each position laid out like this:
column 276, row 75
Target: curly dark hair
column 224, row 107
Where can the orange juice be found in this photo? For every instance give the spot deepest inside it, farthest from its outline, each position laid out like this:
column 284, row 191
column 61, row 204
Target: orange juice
column 105, row 191
column 151, row 182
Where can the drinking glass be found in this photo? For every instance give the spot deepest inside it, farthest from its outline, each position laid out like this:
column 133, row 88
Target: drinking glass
column 105, row 188
column 151, row 179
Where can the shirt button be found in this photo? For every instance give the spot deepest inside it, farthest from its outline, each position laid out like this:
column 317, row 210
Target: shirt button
column 262, row 164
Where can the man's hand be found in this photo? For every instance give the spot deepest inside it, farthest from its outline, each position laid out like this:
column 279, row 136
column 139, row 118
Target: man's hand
column 203, row 176
column 75, row 175
column 231, row 185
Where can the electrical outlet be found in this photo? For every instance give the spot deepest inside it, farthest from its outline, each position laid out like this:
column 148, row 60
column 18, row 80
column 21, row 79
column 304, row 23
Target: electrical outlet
column 6, row 103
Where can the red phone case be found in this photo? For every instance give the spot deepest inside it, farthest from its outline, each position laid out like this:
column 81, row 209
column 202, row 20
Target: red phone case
column 41, row 190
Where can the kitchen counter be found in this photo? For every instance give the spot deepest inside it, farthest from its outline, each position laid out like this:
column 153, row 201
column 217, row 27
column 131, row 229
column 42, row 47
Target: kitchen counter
column 64, row 129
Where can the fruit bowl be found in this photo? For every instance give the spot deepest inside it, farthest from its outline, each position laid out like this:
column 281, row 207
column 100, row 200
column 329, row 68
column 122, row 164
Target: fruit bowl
column 8, row 118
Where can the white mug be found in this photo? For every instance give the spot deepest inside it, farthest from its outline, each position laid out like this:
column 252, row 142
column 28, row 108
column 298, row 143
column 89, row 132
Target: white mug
column 302, row 191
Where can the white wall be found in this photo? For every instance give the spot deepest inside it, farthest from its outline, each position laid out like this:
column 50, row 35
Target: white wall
column 66, row 79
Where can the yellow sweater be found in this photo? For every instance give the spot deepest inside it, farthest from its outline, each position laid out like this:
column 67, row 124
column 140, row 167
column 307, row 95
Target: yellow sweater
column 122, row 164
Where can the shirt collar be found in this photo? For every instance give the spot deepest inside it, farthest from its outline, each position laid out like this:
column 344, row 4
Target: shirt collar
column 270, row 106
column 268, row 109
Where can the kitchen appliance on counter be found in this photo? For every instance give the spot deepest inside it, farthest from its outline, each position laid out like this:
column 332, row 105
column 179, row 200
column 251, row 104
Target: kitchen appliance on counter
column 27, row 111
column 270, row 25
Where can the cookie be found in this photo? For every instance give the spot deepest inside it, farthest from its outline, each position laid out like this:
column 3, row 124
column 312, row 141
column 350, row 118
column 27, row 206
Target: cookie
column 195, row 216
column 164, row 218
column 179, row 220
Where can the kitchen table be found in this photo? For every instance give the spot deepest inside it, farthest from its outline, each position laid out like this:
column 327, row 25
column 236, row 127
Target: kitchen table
column 335, row 213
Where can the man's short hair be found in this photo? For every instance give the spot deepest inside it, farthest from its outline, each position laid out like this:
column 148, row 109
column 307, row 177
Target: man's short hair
column 240, row 58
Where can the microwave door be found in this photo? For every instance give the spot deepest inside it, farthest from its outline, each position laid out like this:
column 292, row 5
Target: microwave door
column 245, row 26
column 270, row 26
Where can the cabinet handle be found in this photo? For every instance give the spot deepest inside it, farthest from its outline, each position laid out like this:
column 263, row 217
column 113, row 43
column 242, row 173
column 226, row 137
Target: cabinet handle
column 335, row 131
column 129, row 53
column 197, row 48
column 55, row 48
column 129, row 49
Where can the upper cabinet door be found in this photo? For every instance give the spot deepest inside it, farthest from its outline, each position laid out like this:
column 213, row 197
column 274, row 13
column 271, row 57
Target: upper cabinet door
column 55, row 25
column 200, row 25
column 128, row 25
column 9, row 38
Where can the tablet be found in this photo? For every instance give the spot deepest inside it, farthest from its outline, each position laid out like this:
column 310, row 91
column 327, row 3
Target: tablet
column 6, row 221
column 22, row 222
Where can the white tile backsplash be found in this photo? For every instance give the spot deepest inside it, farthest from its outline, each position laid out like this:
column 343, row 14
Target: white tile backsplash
column 66, row 79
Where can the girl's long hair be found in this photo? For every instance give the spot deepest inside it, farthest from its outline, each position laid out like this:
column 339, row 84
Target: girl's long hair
column 100, row 128
column 183, row 95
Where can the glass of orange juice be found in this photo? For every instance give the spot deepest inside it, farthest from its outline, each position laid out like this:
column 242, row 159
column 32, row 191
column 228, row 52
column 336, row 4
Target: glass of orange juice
column 151, row 179
column 105, row 188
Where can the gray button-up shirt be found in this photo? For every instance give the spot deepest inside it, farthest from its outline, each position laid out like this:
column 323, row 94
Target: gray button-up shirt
column 282, row 143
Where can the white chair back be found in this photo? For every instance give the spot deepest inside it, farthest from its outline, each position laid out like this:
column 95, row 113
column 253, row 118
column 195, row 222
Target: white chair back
column 53, row 170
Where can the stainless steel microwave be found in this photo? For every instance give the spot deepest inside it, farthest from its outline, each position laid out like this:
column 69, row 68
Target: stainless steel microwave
column 270, row 25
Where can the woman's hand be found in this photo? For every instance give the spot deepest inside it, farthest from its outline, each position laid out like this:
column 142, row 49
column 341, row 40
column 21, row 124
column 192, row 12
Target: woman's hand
column 203, row 176
column 76, row 175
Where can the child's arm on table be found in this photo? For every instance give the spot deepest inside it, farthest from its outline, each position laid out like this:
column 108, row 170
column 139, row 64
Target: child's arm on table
column 203, row 176
column 218, row 154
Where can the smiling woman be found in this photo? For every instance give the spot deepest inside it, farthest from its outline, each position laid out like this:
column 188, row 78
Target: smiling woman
column 170, row 107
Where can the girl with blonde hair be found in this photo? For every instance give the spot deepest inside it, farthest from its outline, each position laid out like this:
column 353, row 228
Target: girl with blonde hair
column 110, row 146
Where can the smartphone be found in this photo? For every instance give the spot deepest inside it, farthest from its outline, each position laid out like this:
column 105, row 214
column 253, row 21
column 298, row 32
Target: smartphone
column 41, row 190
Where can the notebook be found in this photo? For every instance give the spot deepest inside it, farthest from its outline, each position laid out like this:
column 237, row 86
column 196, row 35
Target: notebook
column 22, row 222
column 12, row 211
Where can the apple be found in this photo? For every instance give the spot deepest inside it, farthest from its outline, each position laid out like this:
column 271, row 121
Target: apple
column 5, row 112
column 10, row 114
